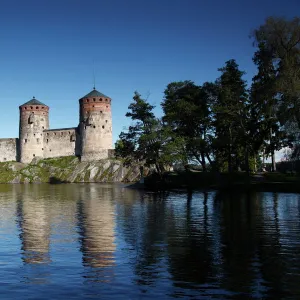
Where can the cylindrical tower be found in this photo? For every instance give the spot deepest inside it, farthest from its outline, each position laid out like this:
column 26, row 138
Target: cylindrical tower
column 95, row 126
column 34, row 119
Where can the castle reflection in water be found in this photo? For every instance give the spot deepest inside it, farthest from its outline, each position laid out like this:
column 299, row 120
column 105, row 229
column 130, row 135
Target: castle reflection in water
column 91, row 215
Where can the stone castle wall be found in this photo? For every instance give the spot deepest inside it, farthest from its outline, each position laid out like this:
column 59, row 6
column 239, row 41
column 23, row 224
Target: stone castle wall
column 8, row 149
column 59, row 142
column 91, row 140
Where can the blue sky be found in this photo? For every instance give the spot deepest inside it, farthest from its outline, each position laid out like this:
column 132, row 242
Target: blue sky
column 48, row 50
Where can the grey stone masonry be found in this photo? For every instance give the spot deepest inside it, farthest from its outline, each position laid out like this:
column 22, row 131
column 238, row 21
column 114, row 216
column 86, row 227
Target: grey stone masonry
column 90, row 140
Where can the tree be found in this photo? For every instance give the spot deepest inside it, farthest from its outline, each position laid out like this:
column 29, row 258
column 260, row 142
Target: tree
column 148, row 141
column 280, row 40
column 264, row 104
column 230, row 112
column 186, row 112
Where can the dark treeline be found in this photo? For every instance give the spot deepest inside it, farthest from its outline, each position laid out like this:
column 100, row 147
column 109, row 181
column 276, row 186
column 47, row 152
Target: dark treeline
column 225, row 125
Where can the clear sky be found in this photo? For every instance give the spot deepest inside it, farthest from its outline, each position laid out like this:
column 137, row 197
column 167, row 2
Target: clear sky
column 48, row 49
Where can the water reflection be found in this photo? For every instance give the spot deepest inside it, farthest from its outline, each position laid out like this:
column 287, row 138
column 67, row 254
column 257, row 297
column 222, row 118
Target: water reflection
column 92, row 240
column 96, row 223
column 34, row 223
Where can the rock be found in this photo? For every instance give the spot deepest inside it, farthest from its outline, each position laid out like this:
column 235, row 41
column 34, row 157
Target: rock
column 26, row 180
column 17, row 179
column 67, row 169
column 35, row 160
column 16, row 166
column 93, row 173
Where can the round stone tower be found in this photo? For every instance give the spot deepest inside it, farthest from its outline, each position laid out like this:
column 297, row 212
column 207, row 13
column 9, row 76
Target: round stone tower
column 34, row 119
column 95, row 126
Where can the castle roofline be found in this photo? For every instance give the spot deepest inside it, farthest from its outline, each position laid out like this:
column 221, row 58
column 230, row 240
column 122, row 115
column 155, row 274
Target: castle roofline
column 94, row 93
column 33, row 101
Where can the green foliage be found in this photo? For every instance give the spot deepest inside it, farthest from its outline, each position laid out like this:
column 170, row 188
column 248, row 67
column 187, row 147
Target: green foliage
column 278, row 41
column 231, row 116
column 222, row 123
column 187, row 113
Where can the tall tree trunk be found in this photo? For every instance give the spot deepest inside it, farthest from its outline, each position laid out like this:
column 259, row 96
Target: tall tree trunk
column 273, row 162
column 203, row 162
column 212, row 164
column 247, row 160
column 200, row 160
column 229, row 153
column 272, row 153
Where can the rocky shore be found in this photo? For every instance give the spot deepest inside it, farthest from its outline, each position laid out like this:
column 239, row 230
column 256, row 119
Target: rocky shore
column 67, row 169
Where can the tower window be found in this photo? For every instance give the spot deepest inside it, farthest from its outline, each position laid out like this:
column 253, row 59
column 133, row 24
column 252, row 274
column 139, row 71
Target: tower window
column 31, row 107
column 37, row 107
column 42, row 119
column 38, row 140
column 50, row 150
column 43, row 127
column 43, row 107
column 100, row 111
column 106, row 106
column 103, row 126
column 94, row 99
column 94, row 126
column 105, row 100
column 33, row 155
column 100, row 99
column 47, row 140
column 42, row 148
column 25, row 141
column 105, row 121
column 87, row 100
column 93, row 105
column 34, row 134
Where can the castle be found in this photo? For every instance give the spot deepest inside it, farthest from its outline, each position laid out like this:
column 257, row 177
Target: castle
column 90, row 140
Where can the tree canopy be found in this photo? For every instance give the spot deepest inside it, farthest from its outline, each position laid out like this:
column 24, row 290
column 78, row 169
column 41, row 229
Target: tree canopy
column 225, row 125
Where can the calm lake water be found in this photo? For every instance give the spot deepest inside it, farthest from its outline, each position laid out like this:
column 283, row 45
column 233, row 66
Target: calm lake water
column 105, row 241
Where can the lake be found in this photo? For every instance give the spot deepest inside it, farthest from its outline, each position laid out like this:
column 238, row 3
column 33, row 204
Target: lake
column 107, row 241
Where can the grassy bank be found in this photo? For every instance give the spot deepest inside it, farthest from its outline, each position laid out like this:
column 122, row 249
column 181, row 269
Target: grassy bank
column 225, row 181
